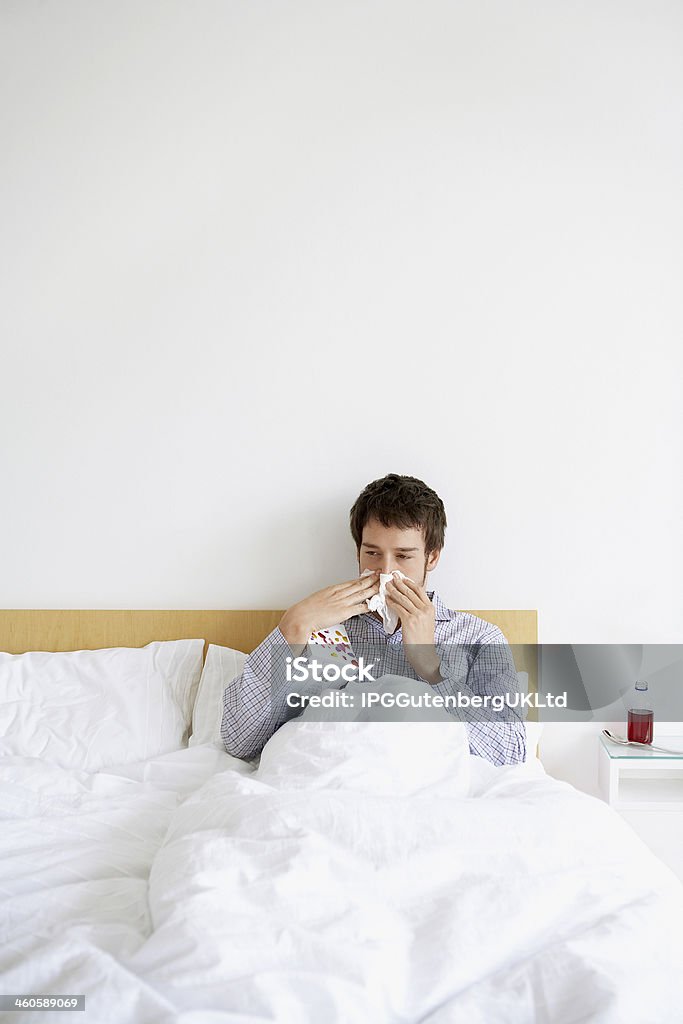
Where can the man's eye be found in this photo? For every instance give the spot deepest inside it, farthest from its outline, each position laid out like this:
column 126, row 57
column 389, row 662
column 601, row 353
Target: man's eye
column 373, row 554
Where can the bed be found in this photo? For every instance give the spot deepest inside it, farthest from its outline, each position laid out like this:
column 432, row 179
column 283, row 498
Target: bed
column 346, row 877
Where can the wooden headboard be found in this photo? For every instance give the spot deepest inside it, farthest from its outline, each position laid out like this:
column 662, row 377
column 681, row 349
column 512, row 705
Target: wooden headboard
column 68, row 630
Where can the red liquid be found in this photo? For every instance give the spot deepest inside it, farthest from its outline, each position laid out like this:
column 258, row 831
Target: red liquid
column 640, row 726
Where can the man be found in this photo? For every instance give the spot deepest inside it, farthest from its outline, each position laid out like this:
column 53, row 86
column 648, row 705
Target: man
column 397, row 522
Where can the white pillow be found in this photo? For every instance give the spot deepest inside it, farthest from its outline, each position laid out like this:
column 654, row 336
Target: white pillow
column 220, row 668
column 94, row 709
column 382, row 758
column 385, row 752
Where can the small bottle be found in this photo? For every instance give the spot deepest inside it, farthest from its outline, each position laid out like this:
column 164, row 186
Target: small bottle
column 640, row 715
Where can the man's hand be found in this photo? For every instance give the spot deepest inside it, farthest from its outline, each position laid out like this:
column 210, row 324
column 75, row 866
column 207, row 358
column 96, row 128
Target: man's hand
column 409, row 600
column 327, row 607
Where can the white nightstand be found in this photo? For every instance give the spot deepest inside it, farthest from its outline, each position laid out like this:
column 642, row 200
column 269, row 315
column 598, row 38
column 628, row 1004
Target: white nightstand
column 646, row 788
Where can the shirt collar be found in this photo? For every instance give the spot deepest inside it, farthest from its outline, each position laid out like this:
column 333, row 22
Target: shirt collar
column 442, row 613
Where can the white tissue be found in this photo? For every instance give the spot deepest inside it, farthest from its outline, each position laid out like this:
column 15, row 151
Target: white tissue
column 378, row 602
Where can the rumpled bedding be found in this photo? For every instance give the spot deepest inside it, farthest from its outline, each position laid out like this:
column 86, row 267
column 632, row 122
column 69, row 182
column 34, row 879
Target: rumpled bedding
column 346, row 878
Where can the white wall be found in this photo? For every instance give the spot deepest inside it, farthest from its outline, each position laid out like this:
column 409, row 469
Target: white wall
column 255, row 255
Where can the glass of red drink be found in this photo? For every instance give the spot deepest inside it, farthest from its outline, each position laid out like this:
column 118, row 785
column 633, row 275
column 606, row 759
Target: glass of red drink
column 640, row 725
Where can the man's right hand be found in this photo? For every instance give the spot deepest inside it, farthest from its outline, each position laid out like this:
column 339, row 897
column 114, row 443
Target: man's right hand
column 327, row 607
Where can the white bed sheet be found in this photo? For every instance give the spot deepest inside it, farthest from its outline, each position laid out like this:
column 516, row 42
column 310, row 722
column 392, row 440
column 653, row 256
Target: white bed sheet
column 190, row 889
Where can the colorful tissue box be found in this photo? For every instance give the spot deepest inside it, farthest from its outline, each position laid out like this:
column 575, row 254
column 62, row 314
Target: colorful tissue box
column 334, row 643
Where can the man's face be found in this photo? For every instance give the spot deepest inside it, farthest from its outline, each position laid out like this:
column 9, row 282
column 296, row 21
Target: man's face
column 389, row 547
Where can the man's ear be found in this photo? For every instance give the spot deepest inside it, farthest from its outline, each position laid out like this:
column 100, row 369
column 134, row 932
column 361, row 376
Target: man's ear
column 433, row 559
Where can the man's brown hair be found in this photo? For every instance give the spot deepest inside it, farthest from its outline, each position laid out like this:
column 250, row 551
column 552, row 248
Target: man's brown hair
column 402, row 501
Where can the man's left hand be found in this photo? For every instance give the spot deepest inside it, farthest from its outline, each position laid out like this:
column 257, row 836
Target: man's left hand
column 409, row 600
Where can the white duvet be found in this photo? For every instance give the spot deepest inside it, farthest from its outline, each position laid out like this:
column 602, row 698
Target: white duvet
column 345, row 880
